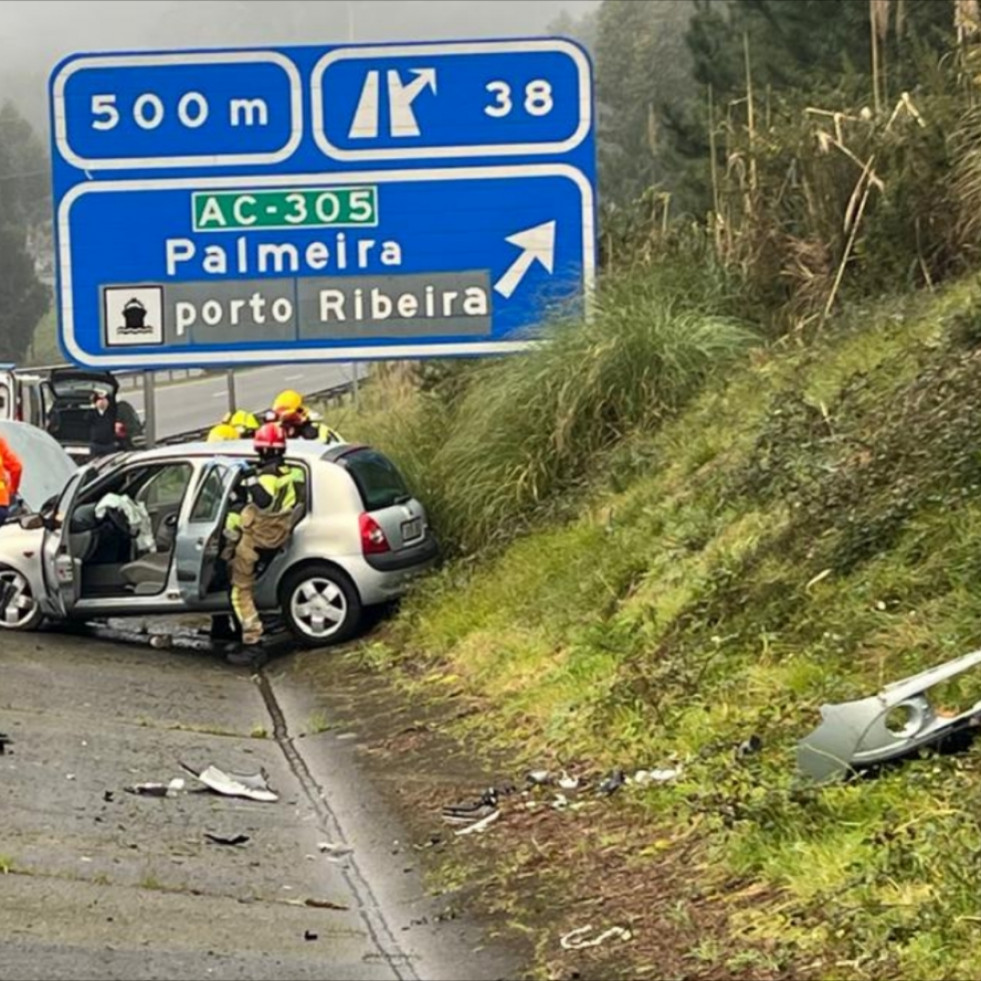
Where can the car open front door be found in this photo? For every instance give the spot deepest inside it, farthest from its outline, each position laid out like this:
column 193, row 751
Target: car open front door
column 62, row 571
column 202, row 521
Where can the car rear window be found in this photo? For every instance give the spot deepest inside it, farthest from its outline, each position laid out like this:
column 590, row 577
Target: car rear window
column 377, row 479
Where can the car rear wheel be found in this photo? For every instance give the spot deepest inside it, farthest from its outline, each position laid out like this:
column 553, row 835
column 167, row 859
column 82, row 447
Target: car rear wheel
column 20, row 610
column 321, row 605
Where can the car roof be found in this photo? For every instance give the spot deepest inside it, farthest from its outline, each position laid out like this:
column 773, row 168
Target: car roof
column 303, row 449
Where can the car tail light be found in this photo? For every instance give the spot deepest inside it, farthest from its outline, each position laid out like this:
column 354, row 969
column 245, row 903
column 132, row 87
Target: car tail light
column 373, row 540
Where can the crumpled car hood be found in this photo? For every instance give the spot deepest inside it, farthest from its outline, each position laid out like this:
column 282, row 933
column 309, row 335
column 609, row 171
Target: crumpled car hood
column 47, row 467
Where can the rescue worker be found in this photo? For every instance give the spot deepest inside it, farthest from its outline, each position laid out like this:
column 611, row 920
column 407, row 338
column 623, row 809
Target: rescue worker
column 265, row 521
column 11, row 470
column 245, row 423
column 223, row 432
column 298, row 422
column 104, row 429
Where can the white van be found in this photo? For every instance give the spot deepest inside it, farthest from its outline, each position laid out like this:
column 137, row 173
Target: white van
column 22, row 397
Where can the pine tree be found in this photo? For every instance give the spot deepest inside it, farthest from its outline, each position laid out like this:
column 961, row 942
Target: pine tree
column 24, row 299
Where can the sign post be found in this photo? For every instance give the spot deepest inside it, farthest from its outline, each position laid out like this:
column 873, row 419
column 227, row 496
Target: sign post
column 219, row 208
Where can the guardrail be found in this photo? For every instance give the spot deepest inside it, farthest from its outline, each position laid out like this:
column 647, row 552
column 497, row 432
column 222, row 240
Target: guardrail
column 335, row 393
column 130, row 379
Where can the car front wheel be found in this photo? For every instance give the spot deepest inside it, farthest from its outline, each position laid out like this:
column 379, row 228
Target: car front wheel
column 321, row 605
column 20, row 610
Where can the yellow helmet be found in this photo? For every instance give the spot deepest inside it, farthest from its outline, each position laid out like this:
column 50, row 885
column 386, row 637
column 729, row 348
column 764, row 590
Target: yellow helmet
column 244, row 422
column 222, row 432
column 288, row 403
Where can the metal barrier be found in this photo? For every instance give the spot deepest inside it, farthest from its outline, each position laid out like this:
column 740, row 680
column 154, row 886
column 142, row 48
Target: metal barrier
column 330, row 395
column 129, row 380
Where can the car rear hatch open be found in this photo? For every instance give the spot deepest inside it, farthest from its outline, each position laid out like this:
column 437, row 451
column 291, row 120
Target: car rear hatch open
column 71, row 393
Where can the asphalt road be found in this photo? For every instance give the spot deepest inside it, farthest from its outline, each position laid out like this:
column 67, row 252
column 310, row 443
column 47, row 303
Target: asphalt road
column 188, row 405
column 104, row 884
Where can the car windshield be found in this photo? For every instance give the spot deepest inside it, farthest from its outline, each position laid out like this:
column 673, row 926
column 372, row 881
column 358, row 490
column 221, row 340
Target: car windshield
column 377, row 479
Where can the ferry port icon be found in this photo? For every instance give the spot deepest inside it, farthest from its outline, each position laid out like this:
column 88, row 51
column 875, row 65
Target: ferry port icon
column 133, row 315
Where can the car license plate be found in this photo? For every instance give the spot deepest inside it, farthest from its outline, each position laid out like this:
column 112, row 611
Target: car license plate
column 411, row 529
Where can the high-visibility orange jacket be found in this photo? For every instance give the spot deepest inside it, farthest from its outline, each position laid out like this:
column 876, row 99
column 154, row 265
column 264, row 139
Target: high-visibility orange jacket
column 10, row 473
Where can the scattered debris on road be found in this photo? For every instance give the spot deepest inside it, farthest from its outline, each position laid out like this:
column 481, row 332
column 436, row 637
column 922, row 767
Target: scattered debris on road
column 309, row 935
column 575, row 939
column 612, row 783
column 253, row 786
column 895, row 723
column 749, row 747
column 325, row 904
column 539, row 778
column 333, row 848
column 150, row 789
column 5, row 741
column 644, row 778
column 472, row 810
column 226, row 839
column 478, row 827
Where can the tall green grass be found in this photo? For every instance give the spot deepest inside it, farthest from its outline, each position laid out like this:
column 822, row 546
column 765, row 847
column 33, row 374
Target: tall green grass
column 807, row 531
column 518, row 434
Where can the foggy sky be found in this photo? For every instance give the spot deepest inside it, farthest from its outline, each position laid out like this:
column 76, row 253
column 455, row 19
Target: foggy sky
column 35, row 34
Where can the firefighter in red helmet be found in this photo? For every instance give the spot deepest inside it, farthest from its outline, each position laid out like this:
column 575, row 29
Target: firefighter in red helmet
column 271, row 502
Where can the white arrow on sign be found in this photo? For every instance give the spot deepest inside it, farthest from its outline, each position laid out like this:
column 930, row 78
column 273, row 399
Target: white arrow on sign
column 402, row 120
column 537, row 245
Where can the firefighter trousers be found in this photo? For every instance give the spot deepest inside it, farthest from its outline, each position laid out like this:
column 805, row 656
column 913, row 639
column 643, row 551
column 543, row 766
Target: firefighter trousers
column 259, row 531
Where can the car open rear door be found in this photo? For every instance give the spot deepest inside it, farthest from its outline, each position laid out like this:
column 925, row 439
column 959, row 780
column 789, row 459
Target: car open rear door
column 62, row 571
column 201, row 524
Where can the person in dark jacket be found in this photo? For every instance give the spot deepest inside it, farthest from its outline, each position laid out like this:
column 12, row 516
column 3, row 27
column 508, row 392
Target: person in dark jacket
column 103, row 433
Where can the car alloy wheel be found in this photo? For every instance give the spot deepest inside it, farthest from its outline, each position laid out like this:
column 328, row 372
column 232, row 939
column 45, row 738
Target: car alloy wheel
column 322, row 606
column 20, row 610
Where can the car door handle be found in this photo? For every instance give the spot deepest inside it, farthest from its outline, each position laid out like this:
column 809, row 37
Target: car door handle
column 199, row 544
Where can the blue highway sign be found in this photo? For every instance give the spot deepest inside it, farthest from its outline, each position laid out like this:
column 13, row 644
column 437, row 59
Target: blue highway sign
column 320, row 203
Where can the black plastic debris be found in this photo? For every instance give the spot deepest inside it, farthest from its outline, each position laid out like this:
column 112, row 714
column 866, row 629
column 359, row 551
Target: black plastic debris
column 5, row 741
column 612, row 783
column 324, row 904
column 153, row 789
column 749, row 747
column 309, row 935
column 108, row 796
column 474, row 810
column 226, row 839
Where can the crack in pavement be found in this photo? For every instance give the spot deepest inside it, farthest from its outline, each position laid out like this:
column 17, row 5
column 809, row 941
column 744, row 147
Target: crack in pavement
column 368, row 907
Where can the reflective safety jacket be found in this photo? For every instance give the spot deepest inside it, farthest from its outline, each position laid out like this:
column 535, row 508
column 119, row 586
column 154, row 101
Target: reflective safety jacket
column 275, row 489
column 10, row 473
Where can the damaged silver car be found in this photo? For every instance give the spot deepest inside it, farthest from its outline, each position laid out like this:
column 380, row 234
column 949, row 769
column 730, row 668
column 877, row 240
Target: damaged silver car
column 140, row 534
column 896, row 722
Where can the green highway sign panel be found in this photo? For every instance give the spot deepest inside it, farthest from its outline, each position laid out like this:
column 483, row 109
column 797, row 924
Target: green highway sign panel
column 319, row 207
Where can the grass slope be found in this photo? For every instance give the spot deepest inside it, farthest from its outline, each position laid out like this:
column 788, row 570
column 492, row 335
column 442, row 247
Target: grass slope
column 805, row 530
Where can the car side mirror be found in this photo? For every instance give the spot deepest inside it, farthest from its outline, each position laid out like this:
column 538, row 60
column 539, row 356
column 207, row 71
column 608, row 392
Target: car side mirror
column 31, row 522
